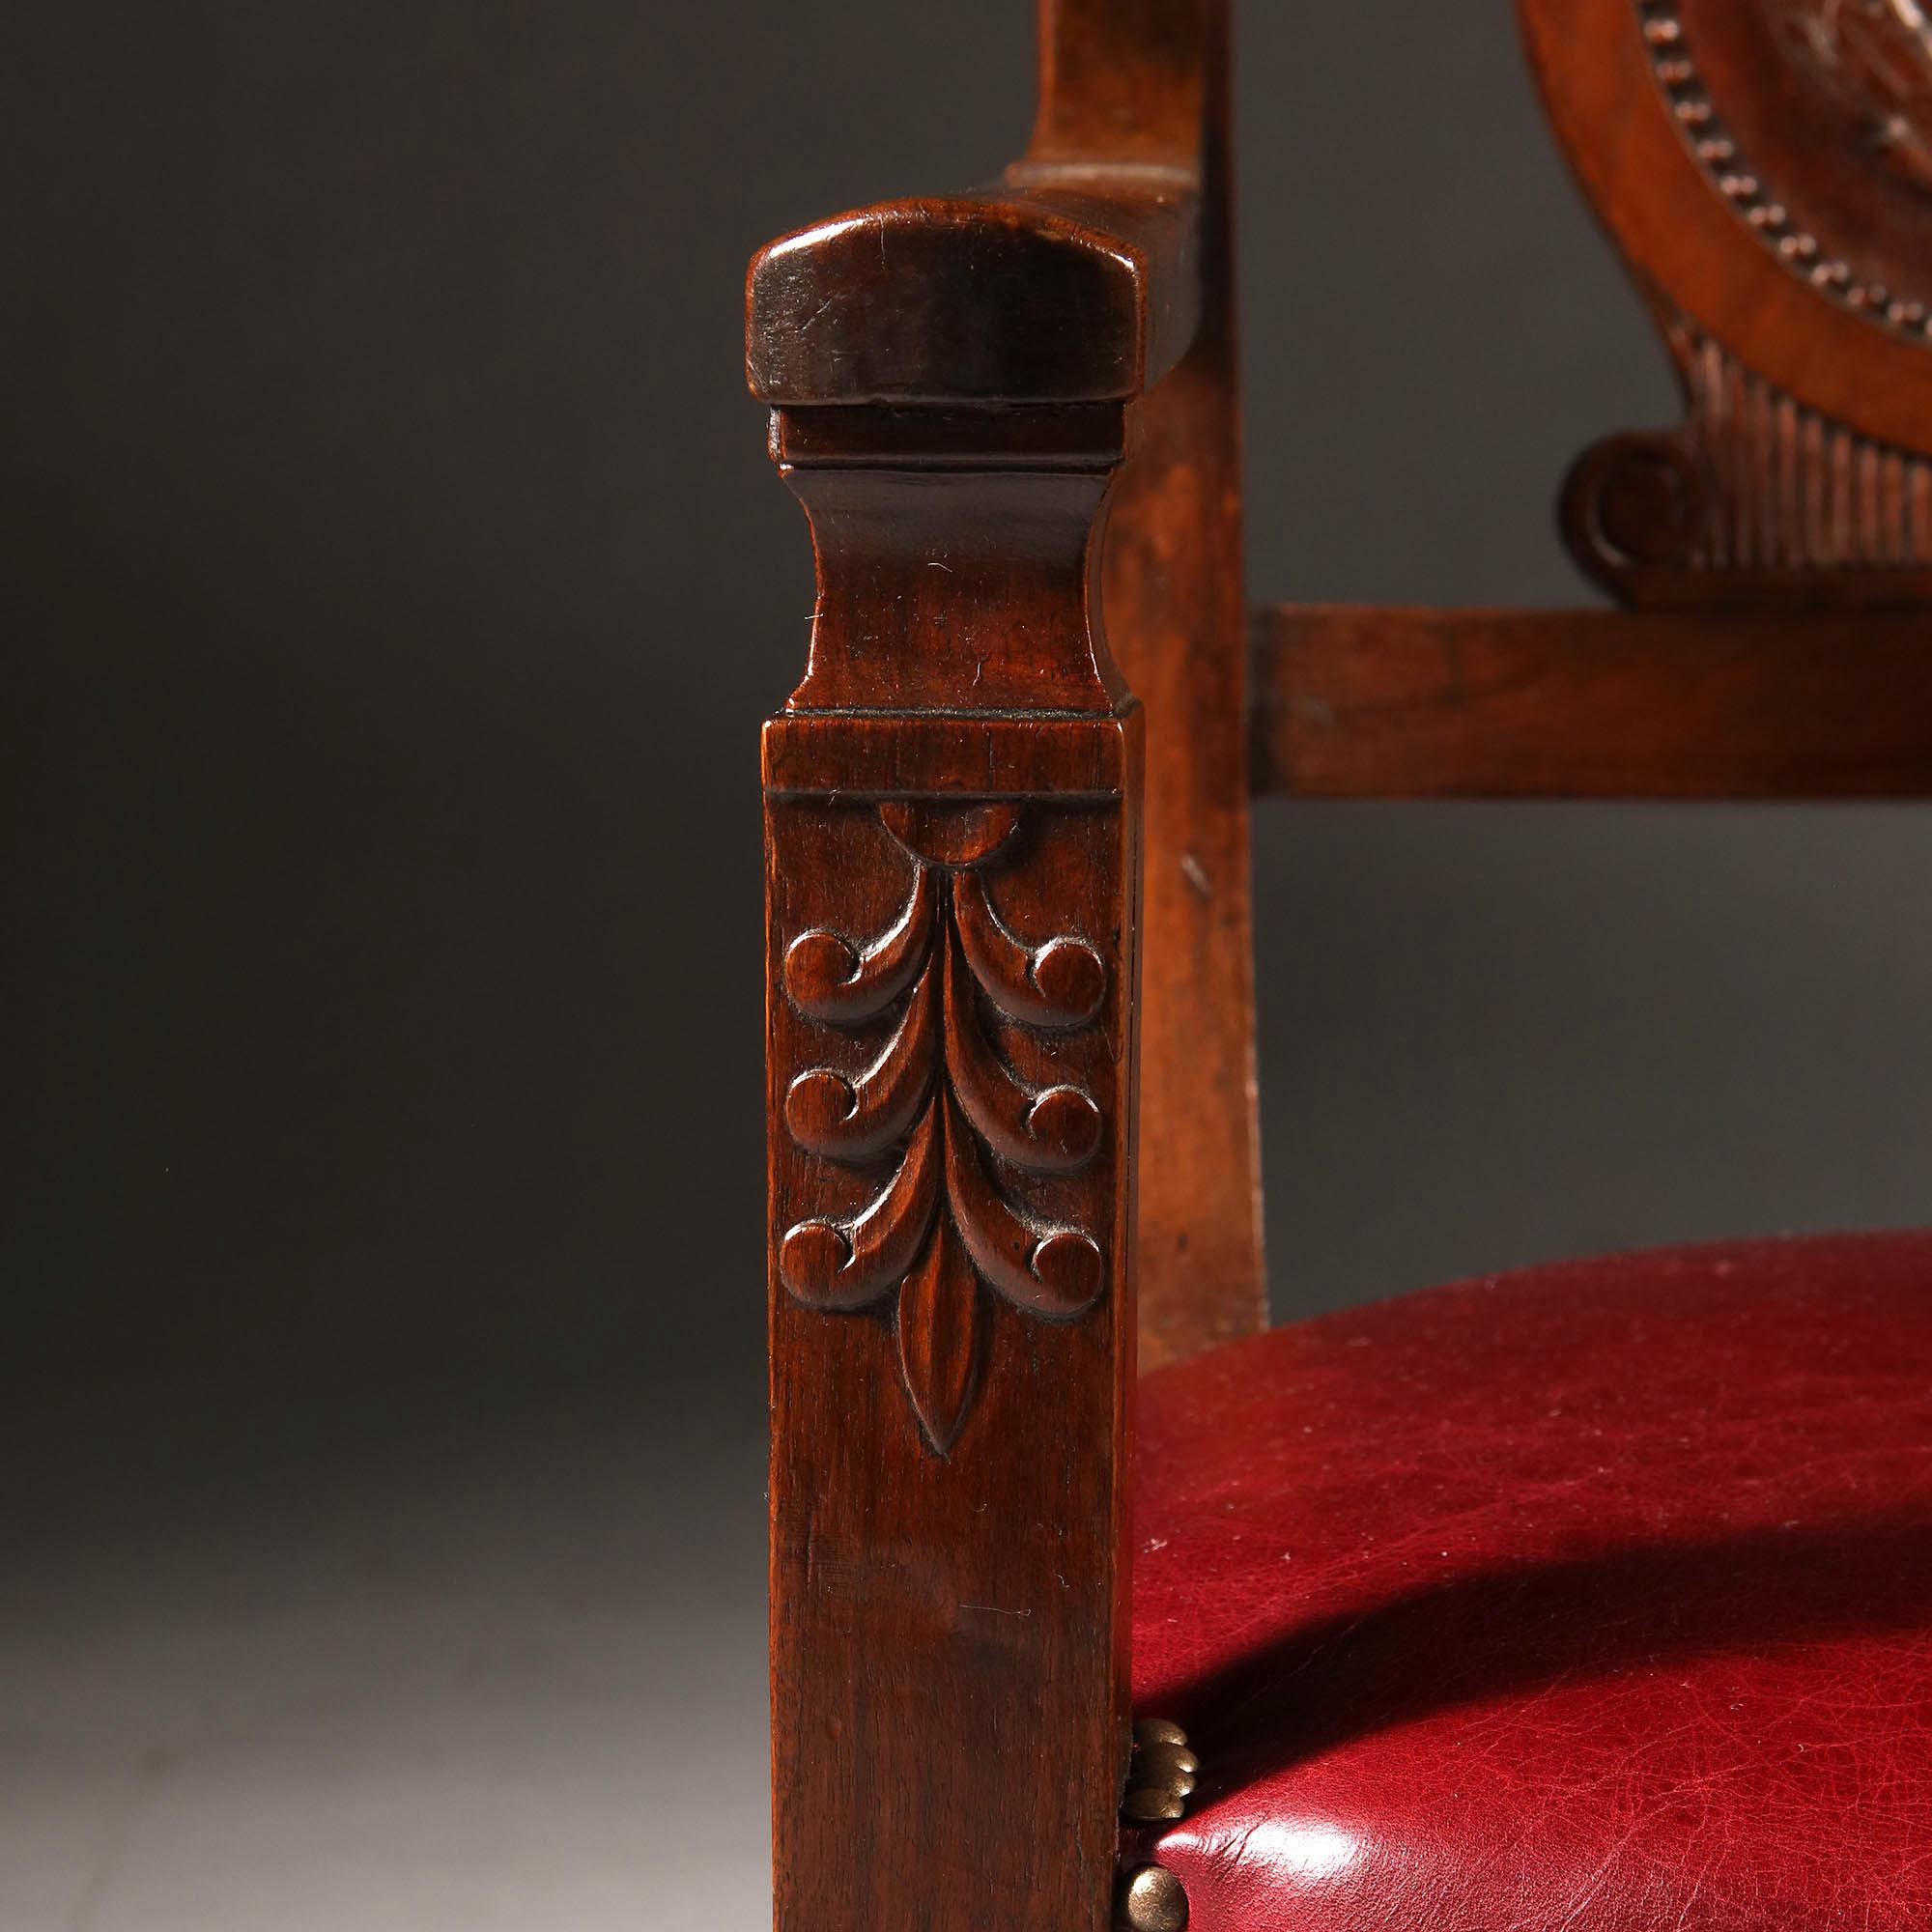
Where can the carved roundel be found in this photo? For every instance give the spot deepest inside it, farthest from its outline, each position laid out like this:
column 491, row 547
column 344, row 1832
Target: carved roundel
column 1813, row 118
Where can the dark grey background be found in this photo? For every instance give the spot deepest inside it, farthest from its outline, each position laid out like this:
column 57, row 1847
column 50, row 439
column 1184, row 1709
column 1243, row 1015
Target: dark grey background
column 395, row 582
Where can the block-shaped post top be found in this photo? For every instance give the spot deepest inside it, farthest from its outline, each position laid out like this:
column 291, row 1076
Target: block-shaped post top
column 1062, row 285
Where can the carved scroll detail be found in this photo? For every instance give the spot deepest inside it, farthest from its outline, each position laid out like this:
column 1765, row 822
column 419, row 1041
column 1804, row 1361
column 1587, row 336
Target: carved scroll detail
column 1752, row 485
column 946, row 1108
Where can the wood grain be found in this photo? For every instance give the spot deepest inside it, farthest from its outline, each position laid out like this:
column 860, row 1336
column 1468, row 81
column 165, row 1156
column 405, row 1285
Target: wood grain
column 1419, row 704
column 952, row 824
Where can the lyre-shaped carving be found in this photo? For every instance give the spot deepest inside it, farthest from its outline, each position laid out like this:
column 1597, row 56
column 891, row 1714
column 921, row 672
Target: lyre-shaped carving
column 953, row 1116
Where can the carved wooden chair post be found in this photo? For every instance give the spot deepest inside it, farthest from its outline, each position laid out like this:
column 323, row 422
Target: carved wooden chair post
column 1598, row 1597
column 965, row 394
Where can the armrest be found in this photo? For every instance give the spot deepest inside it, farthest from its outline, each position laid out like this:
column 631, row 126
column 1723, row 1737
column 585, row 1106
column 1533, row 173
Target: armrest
column 1062, row 284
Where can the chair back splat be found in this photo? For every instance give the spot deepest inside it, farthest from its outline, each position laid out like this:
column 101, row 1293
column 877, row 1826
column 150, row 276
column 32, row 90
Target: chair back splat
column 1765, row 172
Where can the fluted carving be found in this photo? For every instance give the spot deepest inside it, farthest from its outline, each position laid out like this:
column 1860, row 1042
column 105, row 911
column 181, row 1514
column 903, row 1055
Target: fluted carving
column 1751, row 490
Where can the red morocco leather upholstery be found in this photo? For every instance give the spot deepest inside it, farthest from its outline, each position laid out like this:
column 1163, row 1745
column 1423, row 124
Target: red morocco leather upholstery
column 1595, row 1597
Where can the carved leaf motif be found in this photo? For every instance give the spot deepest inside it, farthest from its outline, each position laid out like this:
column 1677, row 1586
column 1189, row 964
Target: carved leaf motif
column 1055, row 1273
column 1055, row 1130
column 856, row 1120
column 832, row 979
column 1058, row 985
column 941, row 1231
column 850, row 1264
column 940, row 1328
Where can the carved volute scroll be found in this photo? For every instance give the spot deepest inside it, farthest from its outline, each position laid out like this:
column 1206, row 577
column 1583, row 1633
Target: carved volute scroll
column 1764, row 166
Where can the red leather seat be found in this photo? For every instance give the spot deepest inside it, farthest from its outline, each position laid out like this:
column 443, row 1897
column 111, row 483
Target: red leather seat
column 1595, row 1597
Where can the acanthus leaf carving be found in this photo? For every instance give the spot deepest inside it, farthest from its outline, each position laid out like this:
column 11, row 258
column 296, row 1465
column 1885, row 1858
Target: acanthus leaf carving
column 829, row 978
column 942, row 1329
column 858, row 1118
column 1058, row 985
column 948, row 1110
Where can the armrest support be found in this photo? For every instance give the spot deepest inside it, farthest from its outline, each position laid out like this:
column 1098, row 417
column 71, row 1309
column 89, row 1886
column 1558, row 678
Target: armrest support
column 953, row 815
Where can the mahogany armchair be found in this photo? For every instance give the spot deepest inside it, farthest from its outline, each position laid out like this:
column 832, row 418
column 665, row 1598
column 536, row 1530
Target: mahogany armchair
column 1595, row 1597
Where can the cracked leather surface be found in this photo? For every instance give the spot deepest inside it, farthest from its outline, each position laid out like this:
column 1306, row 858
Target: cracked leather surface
column 1597, row 1597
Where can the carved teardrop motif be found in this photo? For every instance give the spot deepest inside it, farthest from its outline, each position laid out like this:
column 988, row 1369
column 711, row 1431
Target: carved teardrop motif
column 941, row 1333
column 951, row 1112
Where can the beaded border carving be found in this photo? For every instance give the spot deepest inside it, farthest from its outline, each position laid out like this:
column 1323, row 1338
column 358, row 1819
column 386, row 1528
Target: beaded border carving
column 1756, row 205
